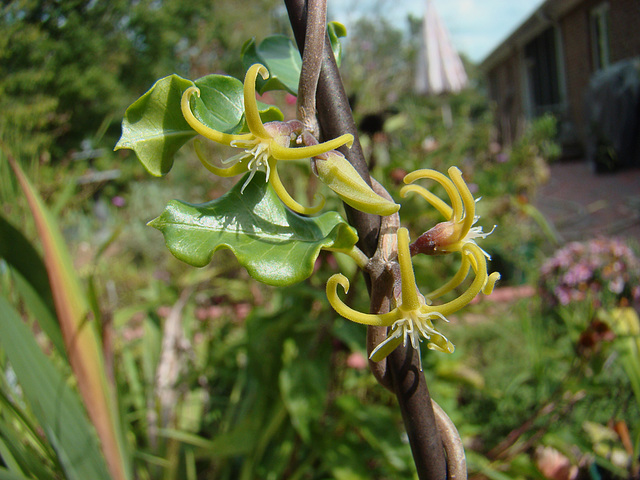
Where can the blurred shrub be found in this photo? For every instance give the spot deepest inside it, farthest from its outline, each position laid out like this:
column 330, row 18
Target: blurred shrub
column 604, row 270
column 69, row 69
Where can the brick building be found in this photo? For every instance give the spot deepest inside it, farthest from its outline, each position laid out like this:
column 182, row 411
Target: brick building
column 545, row 65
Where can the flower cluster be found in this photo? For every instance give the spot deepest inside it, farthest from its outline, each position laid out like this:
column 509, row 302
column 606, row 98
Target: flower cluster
column 414, row 314
column 458, row 230
column 605, row 270
column 267, row 144
column 412, row 319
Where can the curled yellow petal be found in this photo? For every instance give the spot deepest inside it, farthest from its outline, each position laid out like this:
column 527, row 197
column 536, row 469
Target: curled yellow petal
column 250, row 103
column 339, row 175
column 201, row 128
column 452, row 191
column 445, row 210
column 410, row 300
column 285, row 153
column 491, row 282
column 455, row 281
column 440, row 343
column 276, row 183
column 349, row 313
column 467, row 199
column 237, row 169
column 476, row 286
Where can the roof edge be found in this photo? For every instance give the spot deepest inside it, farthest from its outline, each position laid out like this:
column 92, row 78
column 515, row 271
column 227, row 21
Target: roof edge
column 545, row 15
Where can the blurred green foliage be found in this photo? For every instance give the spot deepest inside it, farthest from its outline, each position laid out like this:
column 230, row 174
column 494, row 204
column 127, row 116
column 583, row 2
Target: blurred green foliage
column 69, row 69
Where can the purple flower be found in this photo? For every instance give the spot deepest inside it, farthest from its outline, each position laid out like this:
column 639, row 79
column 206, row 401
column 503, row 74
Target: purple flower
column 118, row 201
column 605, row 270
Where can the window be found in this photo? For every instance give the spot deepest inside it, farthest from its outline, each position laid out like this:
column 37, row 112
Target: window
column 543, row 75
column 599, row 20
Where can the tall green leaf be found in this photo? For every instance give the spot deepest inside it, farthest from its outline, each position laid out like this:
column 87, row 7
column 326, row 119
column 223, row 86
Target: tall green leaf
column 275, row 245
column 18, row 252
column 30, row 279
column 83, row 347
column 7, row 475
column 54, row 404
column 23, row 438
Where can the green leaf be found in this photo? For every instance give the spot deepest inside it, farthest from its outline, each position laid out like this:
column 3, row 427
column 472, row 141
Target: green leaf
column 30, row 279
column 7, row 475
column 249, row 55
column 153, row 126
column 236, row 442
column 155, row 129
column 275, row 245
column 336, row 30
column 281, row 57
column 83, row 347
column 18, row 252
column 56, row 406
column 46, row 318
column 220, row 105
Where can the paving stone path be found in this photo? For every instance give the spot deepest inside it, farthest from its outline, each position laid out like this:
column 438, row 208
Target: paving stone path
column 582, row 205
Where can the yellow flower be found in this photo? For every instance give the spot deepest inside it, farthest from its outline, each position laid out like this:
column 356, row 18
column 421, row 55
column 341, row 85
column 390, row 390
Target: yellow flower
column 413, row 316
column 264, row 146
column 458, row 230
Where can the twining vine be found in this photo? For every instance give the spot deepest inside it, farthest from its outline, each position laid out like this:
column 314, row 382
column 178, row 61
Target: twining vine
column 277, row 238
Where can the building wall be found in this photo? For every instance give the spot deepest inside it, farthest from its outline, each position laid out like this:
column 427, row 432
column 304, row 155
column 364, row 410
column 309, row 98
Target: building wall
column 578, row 61
column 625, row 29
column 505, row 90
column 505, row 79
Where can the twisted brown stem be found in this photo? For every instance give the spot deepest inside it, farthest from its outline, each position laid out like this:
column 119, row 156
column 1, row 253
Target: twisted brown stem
column 311, row 65
column 406, row 378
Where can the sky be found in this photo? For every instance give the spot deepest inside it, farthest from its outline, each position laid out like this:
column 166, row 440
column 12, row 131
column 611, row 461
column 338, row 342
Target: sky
column 476, row 26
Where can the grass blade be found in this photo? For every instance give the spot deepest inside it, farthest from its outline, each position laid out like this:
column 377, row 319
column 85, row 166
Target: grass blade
column 81, row 340
column 54, row 403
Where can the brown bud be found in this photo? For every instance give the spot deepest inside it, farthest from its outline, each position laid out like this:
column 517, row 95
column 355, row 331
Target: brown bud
column 436, row 240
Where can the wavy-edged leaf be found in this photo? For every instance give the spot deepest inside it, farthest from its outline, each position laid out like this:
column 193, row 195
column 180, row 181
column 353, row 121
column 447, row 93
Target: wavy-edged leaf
column 153, row 126
column 83, row 347
column 54, row 404
column 275, row 245
column 155, row 129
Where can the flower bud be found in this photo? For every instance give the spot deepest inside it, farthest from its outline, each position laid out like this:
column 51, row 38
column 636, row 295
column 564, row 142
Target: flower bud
column 437, row 240
column 338, row 174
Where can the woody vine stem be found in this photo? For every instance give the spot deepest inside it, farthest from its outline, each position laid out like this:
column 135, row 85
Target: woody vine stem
column 435, row 444
column 400, row 317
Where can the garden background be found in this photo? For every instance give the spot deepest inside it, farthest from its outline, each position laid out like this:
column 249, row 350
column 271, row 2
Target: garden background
column 219, row 376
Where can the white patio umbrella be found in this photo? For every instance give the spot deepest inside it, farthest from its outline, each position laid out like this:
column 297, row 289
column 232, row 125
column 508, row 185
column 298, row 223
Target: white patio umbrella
column 439, row 68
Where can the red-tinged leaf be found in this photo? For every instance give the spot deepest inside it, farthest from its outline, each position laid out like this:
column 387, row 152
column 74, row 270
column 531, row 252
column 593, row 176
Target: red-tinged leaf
column 81, row 340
